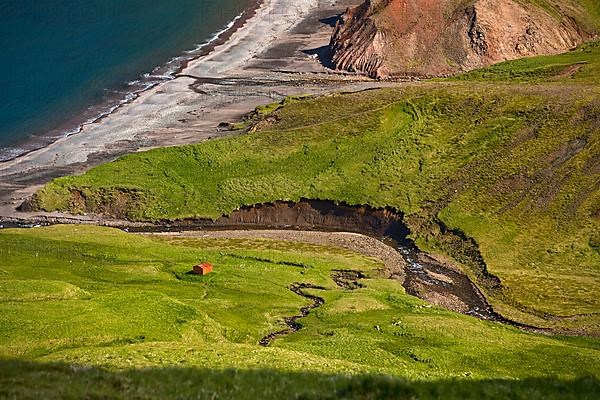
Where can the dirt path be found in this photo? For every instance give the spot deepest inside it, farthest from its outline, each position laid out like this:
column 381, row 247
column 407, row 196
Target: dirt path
column 394, row 264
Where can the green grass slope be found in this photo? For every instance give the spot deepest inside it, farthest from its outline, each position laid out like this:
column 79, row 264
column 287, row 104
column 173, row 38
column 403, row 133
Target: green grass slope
column 91, row 312
column 516, row 167
column 581, row 65
column 585, row 12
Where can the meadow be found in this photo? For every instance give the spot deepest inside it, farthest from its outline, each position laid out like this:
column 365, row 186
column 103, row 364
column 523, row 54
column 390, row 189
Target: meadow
column 498, row 169
column 90, row 312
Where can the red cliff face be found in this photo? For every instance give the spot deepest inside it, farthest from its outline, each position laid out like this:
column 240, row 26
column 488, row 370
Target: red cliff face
column 385, row 38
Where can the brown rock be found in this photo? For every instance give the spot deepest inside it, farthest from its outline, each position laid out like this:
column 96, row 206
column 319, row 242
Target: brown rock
column 387, row 38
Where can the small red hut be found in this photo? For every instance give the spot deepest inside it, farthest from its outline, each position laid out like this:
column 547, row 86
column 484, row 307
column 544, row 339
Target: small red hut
column 203, row 269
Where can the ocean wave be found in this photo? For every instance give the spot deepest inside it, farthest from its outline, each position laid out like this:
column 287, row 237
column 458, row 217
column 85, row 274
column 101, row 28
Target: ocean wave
column 8, row 153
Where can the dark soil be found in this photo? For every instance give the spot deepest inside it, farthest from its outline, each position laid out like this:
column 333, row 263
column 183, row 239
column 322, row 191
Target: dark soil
column 348, row 279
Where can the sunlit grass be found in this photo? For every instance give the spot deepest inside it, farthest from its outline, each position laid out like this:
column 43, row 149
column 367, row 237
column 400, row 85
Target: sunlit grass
column 156, row 328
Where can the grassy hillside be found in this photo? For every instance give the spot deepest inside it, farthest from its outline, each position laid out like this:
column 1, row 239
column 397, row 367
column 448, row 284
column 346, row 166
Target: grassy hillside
column 96, row 313
column 581, row 65
column 585, row 12
column 514, row 166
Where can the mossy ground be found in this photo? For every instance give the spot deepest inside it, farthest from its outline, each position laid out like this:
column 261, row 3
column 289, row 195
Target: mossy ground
column 98, row 313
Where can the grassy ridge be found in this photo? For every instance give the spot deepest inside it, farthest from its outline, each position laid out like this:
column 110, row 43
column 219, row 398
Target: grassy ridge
column 514, row 166
column 585, row 12
column 581, row 65
column 84, row 296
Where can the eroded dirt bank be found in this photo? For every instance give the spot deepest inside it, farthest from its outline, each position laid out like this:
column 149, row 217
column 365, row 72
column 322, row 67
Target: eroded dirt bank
column 422, row 275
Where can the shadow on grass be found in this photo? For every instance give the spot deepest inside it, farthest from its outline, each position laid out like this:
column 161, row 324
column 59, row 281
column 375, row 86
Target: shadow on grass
column 31, row 380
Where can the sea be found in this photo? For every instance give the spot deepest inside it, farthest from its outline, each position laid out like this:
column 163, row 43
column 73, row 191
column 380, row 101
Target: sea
column 65, row 63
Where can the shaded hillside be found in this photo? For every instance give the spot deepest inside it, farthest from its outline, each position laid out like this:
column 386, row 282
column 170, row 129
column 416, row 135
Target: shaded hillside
column 50, row 381
column 386, row 38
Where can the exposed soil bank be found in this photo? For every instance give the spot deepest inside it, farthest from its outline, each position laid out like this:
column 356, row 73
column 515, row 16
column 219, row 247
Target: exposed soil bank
column 423, row 276
column 305, row 214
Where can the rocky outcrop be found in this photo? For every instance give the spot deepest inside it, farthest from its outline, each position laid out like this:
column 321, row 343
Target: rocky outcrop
column 386, row 38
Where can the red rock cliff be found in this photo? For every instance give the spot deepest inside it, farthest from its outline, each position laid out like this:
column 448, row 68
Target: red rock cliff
column 386, row 38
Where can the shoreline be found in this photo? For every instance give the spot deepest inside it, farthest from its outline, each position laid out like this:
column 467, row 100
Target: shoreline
column 263, row 58
column 260, row 11
column 106, row 107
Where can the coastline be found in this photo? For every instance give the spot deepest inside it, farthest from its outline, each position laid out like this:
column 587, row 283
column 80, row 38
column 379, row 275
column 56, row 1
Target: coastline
column 262, row 58
column 259, row 11
column 120, row 97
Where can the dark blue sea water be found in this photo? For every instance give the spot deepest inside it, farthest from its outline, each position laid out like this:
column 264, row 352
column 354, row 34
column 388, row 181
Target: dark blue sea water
column 66, row 60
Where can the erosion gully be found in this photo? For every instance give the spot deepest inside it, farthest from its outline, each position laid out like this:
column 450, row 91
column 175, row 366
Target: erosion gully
column 345, row 279
column 423, row 276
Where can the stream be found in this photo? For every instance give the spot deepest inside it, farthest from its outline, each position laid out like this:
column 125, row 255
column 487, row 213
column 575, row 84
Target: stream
column 423, row 276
